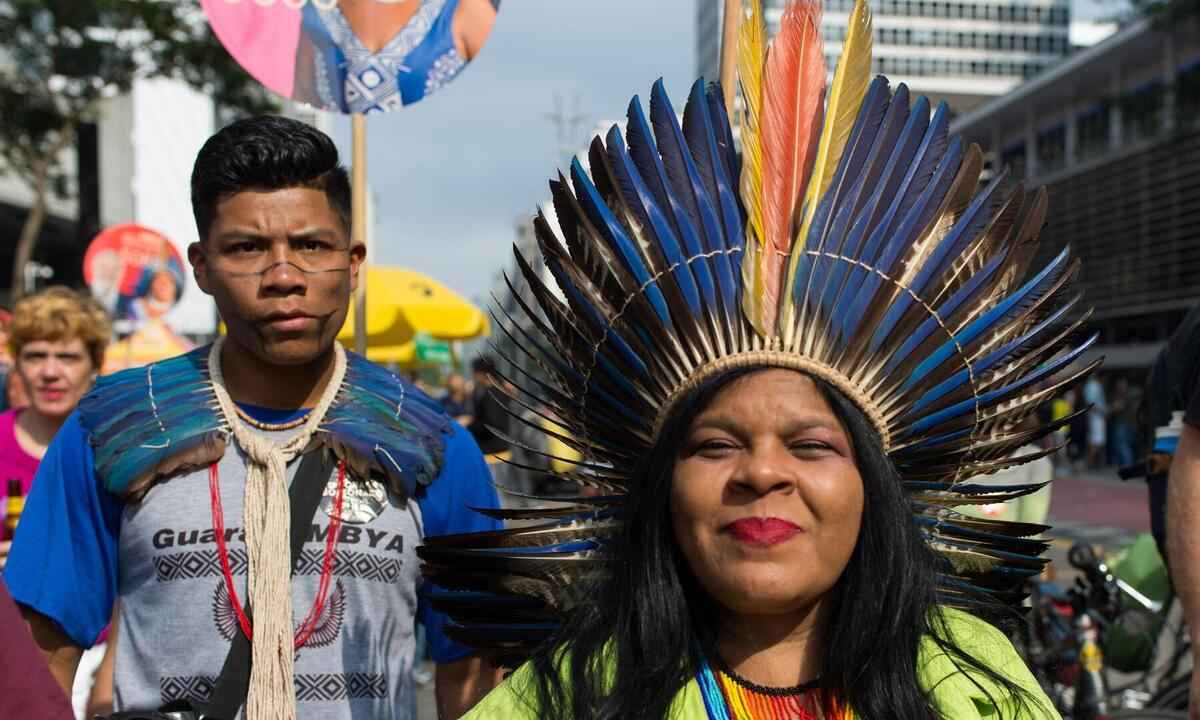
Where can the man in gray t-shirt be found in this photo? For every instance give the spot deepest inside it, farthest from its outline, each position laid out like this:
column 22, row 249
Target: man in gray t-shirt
column 167, row 489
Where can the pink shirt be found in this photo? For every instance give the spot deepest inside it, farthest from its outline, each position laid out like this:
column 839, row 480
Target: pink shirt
column 14, row 461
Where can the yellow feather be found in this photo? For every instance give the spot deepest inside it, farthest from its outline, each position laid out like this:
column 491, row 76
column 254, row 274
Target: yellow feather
column 751, row 55
column 846, row 94
column 850, row 82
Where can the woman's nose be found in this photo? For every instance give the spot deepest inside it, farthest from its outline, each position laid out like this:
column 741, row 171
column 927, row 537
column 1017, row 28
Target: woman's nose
column 764, row 471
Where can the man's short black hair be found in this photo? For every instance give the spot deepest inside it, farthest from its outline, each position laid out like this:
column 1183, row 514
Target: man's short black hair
column 268, row 152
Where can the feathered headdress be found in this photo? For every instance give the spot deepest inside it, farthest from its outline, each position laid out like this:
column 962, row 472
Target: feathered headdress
column 850, row 240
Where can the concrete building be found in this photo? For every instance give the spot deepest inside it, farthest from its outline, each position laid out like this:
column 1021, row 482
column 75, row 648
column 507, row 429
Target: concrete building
column 1113, row 133
column 961, row 51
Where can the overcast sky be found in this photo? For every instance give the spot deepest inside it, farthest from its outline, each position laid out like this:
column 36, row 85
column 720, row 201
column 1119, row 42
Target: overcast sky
column 453, row 174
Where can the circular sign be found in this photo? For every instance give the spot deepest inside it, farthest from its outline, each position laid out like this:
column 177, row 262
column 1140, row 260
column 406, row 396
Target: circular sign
column 134, row 272
column 353, row 56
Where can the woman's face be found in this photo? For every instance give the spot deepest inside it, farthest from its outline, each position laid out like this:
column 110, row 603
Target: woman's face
column 766, row 498
column 55, row 374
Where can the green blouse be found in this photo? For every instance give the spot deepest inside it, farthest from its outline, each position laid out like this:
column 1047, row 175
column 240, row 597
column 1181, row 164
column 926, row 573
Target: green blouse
column 955, row 693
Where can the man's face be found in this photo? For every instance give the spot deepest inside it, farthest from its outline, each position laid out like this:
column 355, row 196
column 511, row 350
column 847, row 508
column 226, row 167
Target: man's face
column 280, row 267
column 55, row 374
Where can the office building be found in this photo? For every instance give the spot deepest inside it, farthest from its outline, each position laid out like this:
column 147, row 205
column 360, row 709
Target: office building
column 961, row 51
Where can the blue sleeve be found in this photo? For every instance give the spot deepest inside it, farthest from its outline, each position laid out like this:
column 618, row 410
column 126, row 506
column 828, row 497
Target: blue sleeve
column 465, row 482
column 63, row 562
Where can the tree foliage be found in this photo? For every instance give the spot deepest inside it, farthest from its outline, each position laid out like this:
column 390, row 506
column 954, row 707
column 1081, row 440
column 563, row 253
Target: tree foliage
column 60, row 58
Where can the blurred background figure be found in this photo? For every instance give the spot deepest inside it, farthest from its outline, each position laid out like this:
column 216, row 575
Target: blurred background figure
column 1097, row 421
column 1033, row 508
column 5, row 358
column 457, row 399
column 1122, row 421
column 487, row 412
column 1060, row 408
column 57, row 340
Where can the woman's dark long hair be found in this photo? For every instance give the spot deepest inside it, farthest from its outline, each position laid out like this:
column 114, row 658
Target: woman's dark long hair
column 640, row 629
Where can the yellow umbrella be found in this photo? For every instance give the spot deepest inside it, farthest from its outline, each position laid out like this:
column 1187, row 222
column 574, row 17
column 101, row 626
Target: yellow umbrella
column 402, row 303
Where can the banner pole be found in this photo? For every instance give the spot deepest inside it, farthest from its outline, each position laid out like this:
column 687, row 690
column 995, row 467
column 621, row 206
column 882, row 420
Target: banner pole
column 729, row 31
column 358, row 224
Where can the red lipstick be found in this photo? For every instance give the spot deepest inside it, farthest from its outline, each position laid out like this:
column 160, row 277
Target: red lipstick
column 762, row 532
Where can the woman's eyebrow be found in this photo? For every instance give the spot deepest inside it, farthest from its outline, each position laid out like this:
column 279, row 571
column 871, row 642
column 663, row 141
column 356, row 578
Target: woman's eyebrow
column 729, row 424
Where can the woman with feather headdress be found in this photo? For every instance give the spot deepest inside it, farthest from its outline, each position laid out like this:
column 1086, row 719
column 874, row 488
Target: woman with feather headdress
column 781, row 368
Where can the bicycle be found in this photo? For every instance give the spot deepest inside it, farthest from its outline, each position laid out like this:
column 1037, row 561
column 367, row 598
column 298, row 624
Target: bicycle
column 1064, row 647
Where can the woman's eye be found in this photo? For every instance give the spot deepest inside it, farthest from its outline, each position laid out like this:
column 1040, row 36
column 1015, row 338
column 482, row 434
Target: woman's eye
column 711, row 448
column 809, row 446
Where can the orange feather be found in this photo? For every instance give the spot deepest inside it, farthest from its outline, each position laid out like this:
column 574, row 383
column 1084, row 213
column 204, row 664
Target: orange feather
column 793, row 100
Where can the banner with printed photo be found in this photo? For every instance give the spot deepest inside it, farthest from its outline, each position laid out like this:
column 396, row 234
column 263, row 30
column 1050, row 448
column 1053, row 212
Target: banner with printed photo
column 353, row 56
column 136, row 273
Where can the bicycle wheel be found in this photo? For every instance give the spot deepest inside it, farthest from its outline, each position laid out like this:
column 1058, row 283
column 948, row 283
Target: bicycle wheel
column 1148, row 714
column 1174, row 696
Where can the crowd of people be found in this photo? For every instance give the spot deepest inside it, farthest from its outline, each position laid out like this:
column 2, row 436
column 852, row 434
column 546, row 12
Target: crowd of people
column 1106, row 432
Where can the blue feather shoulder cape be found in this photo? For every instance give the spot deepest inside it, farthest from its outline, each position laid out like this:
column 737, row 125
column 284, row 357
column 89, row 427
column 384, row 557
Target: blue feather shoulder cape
column 151, row 423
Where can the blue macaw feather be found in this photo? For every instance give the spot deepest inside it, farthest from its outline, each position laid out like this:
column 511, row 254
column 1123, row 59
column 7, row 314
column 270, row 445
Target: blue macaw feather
column 729, row 154
column 600, row 324
column 611, row 230
column 574, row 546
column 966, row 229
column 641, row 199
column 701, row 132
column 685, row 180
column 647, row 159
column 592, row 385
column 118, row 470
column 896, row 133
column 944, row 311
column 569, row 376
column 917, row 180
column 593, row 310
column 989, row 397
column 968, row 489
column 870, row 115
column 183, row 417
column 911, row 152
column 990, row 318
column 991, row 550
column 988, row 361
column 911, row 226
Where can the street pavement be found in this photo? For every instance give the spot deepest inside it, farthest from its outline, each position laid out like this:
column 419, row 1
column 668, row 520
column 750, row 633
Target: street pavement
column 1096, row 507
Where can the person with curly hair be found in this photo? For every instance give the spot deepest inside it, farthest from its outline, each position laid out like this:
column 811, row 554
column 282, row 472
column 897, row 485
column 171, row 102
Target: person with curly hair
column 56, row 339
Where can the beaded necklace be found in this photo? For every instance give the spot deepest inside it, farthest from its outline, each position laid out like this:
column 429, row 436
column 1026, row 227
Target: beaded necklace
column 268, row 426
column 730, row 697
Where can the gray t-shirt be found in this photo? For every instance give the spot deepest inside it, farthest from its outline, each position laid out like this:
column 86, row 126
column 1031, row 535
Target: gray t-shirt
column 176, row 619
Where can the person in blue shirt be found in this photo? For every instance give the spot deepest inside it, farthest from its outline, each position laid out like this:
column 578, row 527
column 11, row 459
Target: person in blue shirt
column 166, row 494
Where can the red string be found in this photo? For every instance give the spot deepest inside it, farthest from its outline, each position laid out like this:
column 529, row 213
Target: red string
column 309, row 625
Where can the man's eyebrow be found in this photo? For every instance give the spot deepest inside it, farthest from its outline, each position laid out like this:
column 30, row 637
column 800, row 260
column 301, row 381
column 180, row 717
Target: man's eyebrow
column 314, row 234
column 241, row 234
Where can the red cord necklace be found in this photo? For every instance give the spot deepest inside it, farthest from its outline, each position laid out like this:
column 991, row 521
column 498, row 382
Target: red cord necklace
column 335, row 525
